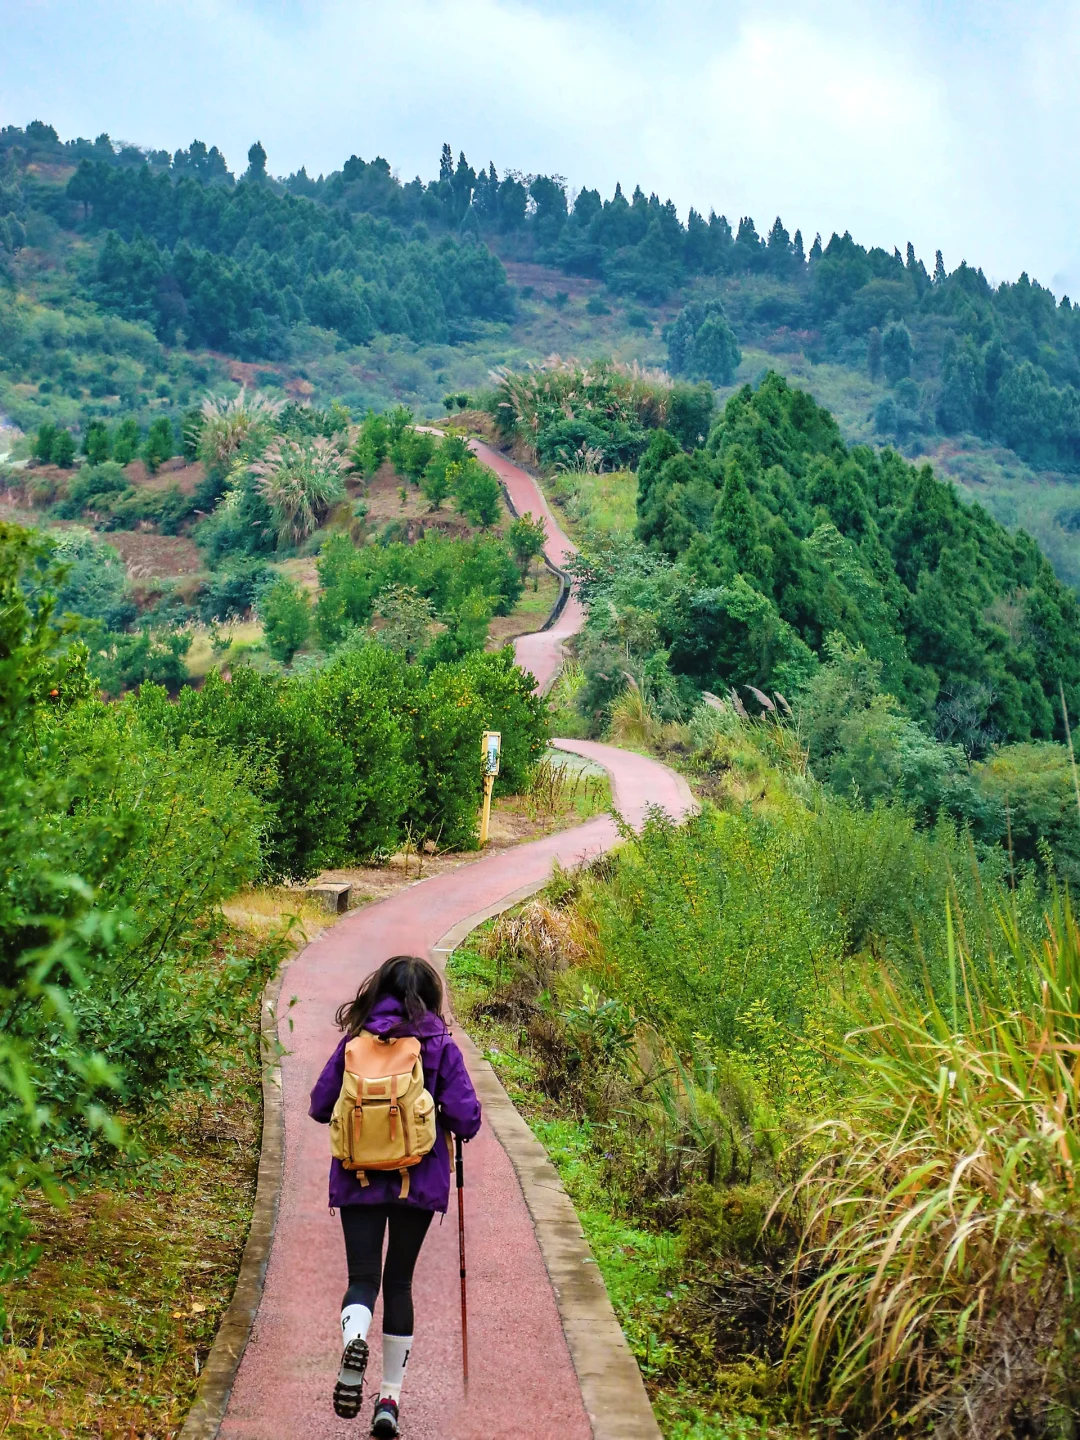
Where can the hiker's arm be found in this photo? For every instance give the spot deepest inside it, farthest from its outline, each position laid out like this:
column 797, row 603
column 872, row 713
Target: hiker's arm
column 328, row 1086
column 459, row 1109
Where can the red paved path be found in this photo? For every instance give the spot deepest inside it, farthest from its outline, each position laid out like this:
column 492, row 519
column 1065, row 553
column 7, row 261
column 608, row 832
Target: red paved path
column 523, row 1385
column 541, row 652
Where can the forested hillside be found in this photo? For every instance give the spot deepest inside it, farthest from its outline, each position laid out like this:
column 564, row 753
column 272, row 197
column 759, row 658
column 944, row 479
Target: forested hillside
column 208, row 260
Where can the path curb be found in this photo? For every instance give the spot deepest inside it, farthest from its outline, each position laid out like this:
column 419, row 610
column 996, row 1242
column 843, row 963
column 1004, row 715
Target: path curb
column 205, row 1417
column 612, row 1389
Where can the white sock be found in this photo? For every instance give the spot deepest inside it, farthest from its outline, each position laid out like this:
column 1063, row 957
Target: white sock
column 395, row 1356
column 355, row 1322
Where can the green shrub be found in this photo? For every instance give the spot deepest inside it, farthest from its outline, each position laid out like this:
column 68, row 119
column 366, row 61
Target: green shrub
column 365, row 699
column 443, row 571
column 285, row 612
column 300, row 771
column 89, row 579
column 159, row 444
column 124, row 662
column 115, row 852
column 477, row 493
column 96, row 488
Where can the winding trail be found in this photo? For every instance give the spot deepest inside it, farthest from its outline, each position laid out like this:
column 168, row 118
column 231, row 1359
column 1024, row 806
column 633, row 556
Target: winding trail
column 523, row 1382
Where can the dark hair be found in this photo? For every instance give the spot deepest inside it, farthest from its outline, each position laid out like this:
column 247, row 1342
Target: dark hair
column 408, row 979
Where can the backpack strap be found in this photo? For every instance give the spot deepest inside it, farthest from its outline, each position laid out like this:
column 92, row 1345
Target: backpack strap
column 404, row 1195
column 393, row 1107
column 361, row 1175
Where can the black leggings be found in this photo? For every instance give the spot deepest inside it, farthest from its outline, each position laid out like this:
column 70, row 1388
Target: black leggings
column 364, row 1227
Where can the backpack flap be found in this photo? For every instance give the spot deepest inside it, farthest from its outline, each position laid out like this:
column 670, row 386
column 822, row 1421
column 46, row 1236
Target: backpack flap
column 384, row 1118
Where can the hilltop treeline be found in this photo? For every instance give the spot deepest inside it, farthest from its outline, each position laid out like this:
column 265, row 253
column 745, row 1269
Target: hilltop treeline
column 214, row 261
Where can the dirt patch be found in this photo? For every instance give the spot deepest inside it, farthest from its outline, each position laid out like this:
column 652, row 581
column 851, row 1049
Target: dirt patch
column 52, row 172
column 148, row 555
column 13, row 514
column 548, row 283
column 186, row 475
column 475, row 422
column 383, row 496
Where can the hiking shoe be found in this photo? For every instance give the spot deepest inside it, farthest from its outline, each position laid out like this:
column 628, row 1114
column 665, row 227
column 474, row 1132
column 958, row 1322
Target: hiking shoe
column 384, row 1426
column 349, row 1389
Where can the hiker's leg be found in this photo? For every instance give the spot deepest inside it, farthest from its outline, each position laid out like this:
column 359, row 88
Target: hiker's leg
column 363, row 1227
column 408, row 1227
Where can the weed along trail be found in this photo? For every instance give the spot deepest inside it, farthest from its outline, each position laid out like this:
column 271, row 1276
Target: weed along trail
column 546, row 1356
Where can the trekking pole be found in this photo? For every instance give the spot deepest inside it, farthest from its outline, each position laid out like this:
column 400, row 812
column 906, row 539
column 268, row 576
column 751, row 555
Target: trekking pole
column 459, row 1166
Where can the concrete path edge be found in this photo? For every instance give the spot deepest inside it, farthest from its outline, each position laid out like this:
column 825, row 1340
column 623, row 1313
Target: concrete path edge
column 205, row 1417
column 612, row 1389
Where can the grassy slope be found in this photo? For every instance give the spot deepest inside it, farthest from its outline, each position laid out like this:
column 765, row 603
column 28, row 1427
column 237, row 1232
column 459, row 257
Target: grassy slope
column 640, row 1267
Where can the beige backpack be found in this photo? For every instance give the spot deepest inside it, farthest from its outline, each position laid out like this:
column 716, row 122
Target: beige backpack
column 384, row 1119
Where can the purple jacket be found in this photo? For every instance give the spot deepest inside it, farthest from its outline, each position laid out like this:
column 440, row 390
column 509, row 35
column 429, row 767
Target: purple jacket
column 456, row 1109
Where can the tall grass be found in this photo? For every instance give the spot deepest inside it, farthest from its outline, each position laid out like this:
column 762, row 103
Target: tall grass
column 557, row 388
column 944, row 1224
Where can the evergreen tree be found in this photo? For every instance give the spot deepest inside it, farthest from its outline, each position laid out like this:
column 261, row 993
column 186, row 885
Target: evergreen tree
column 873, row 353
column 44, row 441
column 256, row 171
column 96, row 445
column 735, row 530
column 62, row 451
column 159, row 444
column 446, row 164
column 797, row 249
column 126, row 441
column 716, row 354
column 939, row 269
column 896, row 351
column 962, row 396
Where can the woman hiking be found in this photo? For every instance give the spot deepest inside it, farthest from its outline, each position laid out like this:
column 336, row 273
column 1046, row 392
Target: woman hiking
column 393, row 1092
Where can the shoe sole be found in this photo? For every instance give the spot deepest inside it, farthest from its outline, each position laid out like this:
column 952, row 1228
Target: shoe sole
column 348, row 1394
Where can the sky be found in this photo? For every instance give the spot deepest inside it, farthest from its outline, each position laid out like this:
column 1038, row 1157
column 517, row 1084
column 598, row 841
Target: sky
column 950, row 123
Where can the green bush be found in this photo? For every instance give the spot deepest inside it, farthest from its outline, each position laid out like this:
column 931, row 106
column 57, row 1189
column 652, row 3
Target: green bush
column 365, row 698
column 88, row 578
column 124, row 662
column 477, row 493
column 115, row 852
column 285, row 612
column 159, row 444
column 298, row 769
column 231, row 590
column 443, row 571
column 96, row 488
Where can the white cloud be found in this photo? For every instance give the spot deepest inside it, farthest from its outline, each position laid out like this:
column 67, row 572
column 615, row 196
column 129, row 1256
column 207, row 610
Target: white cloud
column 953, row 129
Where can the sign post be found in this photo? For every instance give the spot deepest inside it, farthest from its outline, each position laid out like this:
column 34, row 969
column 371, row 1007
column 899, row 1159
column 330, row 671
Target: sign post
column 490, row 748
